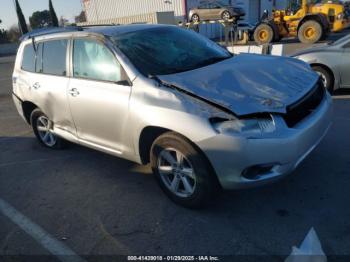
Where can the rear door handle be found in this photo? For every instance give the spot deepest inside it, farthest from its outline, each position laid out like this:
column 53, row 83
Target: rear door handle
column 36, row 85
column 73, row 92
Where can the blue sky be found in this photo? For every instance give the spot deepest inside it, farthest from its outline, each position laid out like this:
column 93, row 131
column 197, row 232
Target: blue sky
column 66, row 8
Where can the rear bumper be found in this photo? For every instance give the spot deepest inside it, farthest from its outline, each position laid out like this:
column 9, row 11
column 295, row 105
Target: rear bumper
column 232, row 156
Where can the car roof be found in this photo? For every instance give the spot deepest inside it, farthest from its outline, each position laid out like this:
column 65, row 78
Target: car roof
column 106, row 30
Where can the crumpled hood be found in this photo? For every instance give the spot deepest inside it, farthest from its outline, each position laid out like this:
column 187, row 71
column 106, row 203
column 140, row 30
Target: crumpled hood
column 247, row 84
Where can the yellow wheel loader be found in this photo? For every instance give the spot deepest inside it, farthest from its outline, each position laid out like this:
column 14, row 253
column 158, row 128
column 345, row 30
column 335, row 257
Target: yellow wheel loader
column 308, row 21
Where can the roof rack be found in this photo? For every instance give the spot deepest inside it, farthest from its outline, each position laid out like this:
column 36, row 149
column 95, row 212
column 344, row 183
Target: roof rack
column 91, row 25
column 49, row 30
column 53, row 30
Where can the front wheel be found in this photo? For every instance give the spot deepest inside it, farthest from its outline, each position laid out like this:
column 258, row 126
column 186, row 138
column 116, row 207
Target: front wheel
column 263, row 34
column 226, row 15
column 310, row 32
column 195, row 18
column 326, row 77
column 42, row 128
column 182, row 171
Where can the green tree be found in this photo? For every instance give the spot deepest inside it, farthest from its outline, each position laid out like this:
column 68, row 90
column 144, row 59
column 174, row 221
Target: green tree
column 3, row 36
column 13, row 34
column 80, row 18
column 53, row 15
column 40, row 19
column 21, row 20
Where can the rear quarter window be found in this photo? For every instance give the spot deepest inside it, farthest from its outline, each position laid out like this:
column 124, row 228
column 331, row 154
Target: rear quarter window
column 28, row 60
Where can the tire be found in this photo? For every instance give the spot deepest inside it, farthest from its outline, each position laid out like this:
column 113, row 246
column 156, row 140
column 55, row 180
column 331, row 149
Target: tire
column 195, row 18
column 325, row 35
column 39, row 121
column 326, row 77
column 225, row 15
column 310, row 32
column 194, row 184
column 263, row 34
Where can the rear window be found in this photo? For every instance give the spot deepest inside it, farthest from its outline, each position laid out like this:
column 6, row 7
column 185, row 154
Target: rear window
column 28, row 61
column 53, row 58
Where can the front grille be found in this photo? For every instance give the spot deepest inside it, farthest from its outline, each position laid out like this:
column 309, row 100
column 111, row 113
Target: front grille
column 305, row 106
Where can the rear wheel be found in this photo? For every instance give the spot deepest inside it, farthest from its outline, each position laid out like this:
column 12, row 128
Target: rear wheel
column 226, row 15
column 263, row 34
column 195, row 18
column 310, row 32
column 326, row 77
column 42, row 128
column 182, row 171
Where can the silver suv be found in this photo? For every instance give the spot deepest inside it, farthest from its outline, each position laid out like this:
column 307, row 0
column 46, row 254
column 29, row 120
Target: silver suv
column 163, row 95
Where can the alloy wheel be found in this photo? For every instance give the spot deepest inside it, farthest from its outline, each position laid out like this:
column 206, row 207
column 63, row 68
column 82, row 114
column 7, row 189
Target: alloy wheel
column 195, row 18
column 176, row 172
column 226, row 16
column 43, row 126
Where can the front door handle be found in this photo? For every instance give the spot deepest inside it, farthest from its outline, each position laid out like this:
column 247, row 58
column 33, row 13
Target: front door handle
column 73, row 92
column 36, row 85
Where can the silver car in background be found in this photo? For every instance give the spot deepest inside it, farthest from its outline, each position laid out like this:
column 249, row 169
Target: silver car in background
column 163, row 95
column 215, row 10
column 331, row 61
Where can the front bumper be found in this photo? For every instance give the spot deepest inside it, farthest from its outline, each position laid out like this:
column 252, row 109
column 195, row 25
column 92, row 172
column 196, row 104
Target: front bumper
column 231, row 155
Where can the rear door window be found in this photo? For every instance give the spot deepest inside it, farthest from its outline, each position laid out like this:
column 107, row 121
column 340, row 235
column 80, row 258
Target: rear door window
column 28, row 61
column 53, row 57
column 203, row 6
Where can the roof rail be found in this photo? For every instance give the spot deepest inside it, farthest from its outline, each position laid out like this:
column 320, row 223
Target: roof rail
column 91, row 25
column 49, row 30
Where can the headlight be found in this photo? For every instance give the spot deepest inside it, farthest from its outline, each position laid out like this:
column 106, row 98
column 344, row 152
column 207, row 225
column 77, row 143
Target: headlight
column 340, row 16
column 253, row 126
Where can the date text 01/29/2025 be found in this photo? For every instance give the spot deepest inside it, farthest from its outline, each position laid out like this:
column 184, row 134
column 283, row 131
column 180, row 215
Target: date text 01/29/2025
column 173, row 258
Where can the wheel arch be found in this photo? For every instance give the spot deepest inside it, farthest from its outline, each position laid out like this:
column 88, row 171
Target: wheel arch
column 330, row 71
column 225, row 10
column 146, row 139
column 28, row 107
column 150, row 133
column 321, row 19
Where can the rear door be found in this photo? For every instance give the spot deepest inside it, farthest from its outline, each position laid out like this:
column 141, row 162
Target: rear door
column 204, row 11
column 51, row 83
column 98, row 94
column 43, row 80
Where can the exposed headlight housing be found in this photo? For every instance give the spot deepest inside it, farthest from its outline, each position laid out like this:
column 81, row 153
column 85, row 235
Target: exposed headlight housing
column 249, row 126
column 340, row 16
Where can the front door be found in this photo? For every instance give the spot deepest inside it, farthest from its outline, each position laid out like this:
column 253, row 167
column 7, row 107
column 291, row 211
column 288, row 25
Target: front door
column 98, row 95
column 345, row 66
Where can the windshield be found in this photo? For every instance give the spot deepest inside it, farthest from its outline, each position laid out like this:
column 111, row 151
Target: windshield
column 168, row 50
